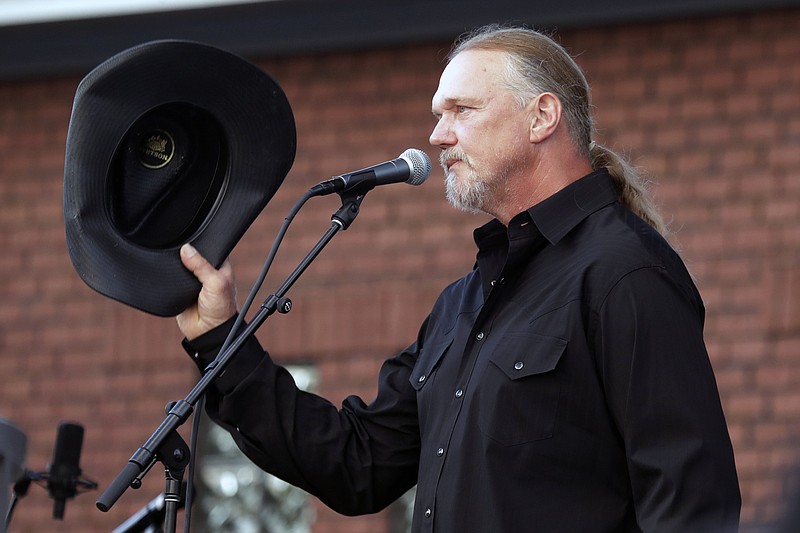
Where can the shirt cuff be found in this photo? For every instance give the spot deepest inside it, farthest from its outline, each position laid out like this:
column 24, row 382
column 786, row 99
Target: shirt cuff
column 204, row 349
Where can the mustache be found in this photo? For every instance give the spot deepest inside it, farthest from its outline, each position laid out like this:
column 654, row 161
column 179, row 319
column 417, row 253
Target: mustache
column 451, row 154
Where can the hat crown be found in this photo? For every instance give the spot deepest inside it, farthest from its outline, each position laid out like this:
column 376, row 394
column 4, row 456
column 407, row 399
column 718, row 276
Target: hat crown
column 166, row 175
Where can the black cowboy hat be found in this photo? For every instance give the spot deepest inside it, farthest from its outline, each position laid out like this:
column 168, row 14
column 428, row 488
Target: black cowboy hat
column 169, row 142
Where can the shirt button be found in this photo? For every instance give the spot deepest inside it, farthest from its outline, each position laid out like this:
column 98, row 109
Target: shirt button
column 428, row 513
column 421, row 378
column 459, row 393
column 480, row 336
column 518, row 365
column 492, row 283
column 440, row 452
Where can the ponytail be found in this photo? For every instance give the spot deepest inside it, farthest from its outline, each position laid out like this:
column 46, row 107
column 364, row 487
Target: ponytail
column 630, row 187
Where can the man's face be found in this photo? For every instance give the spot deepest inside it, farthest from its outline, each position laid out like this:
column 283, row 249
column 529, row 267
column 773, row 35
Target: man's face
column 481, row 129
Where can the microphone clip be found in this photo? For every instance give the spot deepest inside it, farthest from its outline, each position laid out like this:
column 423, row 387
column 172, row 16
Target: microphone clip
column 70, row 488
column 351, row 205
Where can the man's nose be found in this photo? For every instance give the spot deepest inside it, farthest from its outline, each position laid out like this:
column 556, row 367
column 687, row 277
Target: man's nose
column 442, row 134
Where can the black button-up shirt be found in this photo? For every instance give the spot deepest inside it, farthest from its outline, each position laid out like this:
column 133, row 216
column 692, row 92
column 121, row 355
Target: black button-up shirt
column 562, row 385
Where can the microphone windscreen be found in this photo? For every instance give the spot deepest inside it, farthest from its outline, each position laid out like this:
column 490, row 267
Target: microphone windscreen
column 420, row 165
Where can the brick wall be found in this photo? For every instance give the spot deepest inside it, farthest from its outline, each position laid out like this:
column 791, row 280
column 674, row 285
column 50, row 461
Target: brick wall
column 709, row 107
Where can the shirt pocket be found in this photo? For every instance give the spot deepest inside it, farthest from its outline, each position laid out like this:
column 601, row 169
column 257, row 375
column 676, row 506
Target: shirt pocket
column 520, row 389
column 429, row 357
column 422, row 378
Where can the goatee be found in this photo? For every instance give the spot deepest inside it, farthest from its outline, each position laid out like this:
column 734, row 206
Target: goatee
column 467, row 194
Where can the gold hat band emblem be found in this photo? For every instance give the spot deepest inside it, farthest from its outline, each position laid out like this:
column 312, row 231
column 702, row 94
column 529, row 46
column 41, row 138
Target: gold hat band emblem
column 157, row 149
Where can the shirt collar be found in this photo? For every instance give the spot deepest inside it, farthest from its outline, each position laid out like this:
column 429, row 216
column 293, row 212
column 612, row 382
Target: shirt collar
column 560, row 213
column 556, row 216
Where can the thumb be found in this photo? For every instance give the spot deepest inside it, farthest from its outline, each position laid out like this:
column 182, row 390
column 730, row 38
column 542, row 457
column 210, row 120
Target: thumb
column 197, row 264
column 216, row 302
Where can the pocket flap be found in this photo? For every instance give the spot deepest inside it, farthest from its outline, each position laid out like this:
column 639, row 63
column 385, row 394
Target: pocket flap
column 527, row 354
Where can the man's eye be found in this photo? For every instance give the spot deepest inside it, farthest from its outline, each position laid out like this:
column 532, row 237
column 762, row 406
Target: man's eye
column 462, row 108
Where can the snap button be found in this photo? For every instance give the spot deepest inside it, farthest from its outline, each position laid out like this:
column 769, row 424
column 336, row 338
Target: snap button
column 518, row 365
column 440, row 452
column 479, row 336
column 428, row 513
column 459, row 393
column 422, row 378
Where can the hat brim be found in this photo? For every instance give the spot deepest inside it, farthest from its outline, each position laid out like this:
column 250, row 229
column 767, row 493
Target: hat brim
column 258, row 132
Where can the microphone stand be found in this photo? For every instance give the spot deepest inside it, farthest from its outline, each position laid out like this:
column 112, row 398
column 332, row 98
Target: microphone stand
column 165, row 444
column 149, row 518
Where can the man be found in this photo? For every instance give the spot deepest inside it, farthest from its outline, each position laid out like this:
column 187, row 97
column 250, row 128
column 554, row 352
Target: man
column 562, row 385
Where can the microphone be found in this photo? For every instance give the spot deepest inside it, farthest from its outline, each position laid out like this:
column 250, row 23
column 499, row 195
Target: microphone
column 64, row 472
column 62, row 477
column 412, row 167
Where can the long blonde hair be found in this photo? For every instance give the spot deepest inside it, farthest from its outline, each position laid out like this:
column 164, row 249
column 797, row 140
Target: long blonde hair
column 538, row 64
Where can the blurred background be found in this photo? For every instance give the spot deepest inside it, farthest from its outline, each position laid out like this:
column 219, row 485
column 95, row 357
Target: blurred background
column 702, row 95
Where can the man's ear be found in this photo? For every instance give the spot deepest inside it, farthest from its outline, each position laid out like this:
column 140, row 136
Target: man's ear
column 545, row 116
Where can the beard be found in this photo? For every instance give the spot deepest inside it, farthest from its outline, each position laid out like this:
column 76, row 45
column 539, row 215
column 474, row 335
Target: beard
column 469, row 193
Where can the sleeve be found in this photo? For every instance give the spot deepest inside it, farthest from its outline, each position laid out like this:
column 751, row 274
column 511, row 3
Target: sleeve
column 356, row 459
column 661, row 390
